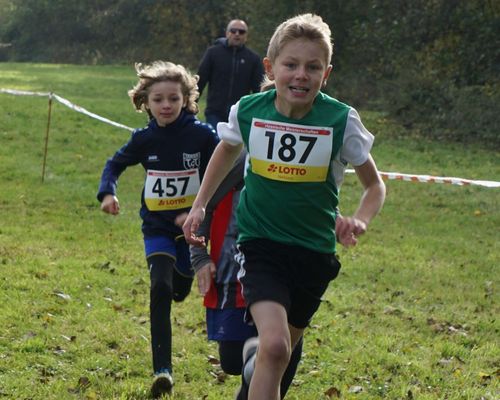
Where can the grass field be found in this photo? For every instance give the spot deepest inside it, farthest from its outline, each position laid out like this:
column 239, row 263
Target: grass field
column 413, row 314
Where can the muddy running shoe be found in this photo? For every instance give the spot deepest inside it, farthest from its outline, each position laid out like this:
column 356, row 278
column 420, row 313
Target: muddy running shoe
column 162, row 384
column 249, row 353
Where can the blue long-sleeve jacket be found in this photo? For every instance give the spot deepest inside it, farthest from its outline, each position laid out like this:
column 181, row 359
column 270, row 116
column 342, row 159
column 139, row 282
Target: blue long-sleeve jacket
column 185, row 144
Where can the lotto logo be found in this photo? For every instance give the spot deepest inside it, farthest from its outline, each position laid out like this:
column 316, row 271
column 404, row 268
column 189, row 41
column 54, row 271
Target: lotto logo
column 172, row 202
column 286, row 170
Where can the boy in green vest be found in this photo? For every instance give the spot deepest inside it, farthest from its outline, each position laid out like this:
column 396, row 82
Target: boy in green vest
column 299, row 142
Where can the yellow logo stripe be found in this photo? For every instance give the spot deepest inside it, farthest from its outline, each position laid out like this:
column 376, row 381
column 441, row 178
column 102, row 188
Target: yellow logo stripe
column 288, row 173
column 170, row 204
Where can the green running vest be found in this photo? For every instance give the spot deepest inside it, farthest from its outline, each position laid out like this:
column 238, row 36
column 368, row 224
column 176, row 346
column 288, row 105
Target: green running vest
column 290, row 194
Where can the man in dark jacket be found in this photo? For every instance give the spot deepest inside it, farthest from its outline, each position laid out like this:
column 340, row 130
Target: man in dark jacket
column 231, row 70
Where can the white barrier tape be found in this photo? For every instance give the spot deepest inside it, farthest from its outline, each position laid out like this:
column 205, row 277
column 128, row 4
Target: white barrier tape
column 67, row 103
column 82, row 110
column 384, row 175
column 434, row 179
column 24, row 93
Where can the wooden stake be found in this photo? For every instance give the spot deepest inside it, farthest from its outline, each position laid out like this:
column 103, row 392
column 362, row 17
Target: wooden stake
column 47, row 137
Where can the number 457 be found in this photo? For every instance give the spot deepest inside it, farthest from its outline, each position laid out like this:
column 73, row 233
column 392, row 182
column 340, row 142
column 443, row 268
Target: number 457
column 171, row 186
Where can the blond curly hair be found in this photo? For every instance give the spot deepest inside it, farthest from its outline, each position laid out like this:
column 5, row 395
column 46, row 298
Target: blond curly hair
column 160, row 71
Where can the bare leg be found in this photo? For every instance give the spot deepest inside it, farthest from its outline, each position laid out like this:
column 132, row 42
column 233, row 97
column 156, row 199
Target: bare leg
column 247, row 368
column 274, row 350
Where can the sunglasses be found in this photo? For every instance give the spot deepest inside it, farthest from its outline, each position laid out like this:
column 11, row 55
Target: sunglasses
column 235, row 30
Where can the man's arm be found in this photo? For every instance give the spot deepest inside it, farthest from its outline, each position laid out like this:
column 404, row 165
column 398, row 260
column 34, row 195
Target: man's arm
column 257, row 75
column 204, row 71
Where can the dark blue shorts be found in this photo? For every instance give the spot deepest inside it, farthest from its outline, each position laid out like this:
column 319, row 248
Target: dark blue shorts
column 228, row 324
column 178, row 249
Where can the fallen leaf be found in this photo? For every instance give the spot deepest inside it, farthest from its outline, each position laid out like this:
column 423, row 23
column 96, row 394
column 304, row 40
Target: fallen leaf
column 332, row 392
column 355, row 389
column 452, row 329
column 29, row 335
column 41, row 274
column 59, row 351
column 62, row 295
column 113, row 344
column 91, row 396
column 48, row 318
column 390, row 310
column 221, row 377
column 105, row 265
column 445, row 361
column 484, row 376
column 83, row 382
column 213, row 360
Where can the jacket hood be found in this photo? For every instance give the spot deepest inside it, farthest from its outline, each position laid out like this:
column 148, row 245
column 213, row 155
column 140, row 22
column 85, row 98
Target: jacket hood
column 222, row 41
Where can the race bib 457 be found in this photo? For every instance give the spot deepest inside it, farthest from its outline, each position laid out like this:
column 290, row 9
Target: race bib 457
column 290, row 152
column 171, row 190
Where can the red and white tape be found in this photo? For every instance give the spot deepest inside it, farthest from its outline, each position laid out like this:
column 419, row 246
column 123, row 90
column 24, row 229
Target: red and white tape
column 385, row 175
column 434, row 179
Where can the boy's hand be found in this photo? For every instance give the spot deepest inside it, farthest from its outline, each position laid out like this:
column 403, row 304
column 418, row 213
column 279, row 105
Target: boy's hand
column 204, row 276
column 180, row 219
column 110, row 204
column 347, row 229
column 191, row 225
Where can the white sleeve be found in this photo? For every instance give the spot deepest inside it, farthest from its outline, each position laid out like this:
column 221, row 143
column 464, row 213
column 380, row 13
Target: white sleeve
column 230, row 131
column 358, row 141
column 355, row 149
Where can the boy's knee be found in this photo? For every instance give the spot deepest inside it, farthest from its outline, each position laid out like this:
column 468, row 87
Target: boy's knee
column 160, row 272
column 276, row 350
column 181, row 286
column 230, row 352
column 179, row 296
column 231, row 366
column 161, row 287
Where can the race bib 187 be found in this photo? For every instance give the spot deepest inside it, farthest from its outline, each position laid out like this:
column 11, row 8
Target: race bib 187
column 171, row 190
column 290, row 152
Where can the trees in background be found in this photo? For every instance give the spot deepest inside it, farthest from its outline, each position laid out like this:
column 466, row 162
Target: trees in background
column 432, row 64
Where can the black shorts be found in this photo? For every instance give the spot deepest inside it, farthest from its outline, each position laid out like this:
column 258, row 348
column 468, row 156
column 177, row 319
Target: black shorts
column 292, row 276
